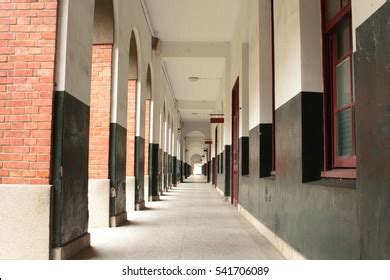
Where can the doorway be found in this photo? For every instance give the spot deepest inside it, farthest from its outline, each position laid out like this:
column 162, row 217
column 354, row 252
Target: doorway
column 215, row 166
column 235, row 141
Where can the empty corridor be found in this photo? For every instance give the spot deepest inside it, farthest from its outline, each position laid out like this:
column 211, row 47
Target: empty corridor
column 190, row 222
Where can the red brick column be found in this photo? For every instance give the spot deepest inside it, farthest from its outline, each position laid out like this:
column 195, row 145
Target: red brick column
column 100, row 112
column 131, row 110
column 27, row 55
column 147, row 136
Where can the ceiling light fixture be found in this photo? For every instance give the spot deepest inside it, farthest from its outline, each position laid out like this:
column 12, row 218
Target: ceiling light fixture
column 193, row 79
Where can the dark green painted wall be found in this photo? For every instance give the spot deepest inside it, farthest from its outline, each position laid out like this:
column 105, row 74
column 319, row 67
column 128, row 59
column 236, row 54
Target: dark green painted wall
column 139, row 167
column 372, row 89
column 318, row 220
column 69, row 168
column 117, row 169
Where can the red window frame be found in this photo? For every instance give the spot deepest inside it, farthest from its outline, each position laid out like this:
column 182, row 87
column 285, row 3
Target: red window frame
column 334, row 165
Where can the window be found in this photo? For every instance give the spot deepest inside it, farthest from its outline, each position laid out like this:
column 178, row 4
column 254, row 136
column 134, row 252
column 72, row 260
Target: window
column 339, row 113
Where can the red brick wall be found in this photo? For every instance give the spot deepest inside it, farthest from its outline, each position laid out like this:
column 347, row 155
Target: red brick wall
column 100, row 112
column 27, row 55
column 131, row 108
column 147, row 136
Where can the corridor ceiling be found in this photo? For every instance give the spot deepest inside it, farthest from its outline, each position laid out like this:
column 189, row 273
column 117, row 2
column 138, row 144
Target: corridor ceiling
column 193, row 20
column 197, row 22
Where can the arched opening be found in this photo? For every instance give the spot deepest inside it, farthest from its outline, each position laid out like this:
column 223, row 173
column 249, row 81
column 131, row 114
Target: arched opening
column 194, row 142
column 162, row 149
column 148, row 134
column 99, row 128
column 196, row 164
column 132, row 92
column 131, row 105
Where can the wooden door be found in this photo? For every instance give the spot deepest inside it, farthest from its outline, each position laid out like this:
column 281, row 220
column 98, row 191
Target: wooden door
column 235, row 143
column 216, row 158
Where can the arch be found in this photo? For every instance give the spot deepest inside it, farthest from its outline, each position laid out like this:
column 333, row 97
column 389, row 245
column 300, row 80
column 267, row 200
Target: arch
column 134, row 58
column 193, row 126
column 100, row 110
column 196, row 158
column 104, row 22
column 195, row 147
column 134, row 76
column 103, row 39
column 148, row 133
column 149, row 82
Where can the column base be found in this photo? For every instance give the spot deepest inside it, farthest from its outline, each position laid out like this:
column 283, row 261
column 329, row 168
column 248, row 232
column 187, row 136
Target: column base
column 140, row 206
column 69, row 250
column 155, row 198
column 118, row 220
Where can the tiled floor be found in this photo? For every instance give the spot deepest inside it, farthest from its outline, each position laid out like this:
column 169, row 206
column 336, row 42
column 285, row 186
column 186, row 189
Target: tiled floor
column 190, row 222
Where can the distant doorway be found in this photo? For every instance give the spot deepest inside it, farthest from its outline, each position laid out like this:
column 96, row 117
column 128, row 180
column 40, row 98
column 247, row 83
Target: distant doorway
column 215, row 166
column 197, row 169
column 235, row 142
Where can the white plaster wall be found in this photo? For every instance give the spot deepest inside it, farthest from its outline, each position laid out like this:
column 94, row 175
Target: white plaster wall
column 254, row 66
column 264, row 62
column 227, row 103
column 361, row 10
column 311, row 45
column 298, row 49
column 287, row 51
column 245, row 107
column 74, row 48
column 156, row 98
column 260, row 62
column 240, row 38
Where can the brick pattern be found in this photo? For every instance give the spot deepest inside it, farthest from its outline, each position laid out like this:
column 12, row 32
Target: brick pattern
column 27, row 55
column 100, row 112
column 147, row 136
column 131, row 108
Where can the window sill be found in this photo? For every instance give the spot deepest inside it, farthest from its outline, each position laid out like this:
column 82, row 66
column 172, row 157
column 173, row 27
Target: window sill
column 334, row 183
column 339, row 174
column 269, row 178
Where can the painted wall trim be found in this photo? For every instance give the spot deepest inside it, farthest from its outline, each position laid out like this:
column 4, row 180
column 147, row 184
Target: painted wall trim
column 62, row 41
column 282, row 246
column 220, row 191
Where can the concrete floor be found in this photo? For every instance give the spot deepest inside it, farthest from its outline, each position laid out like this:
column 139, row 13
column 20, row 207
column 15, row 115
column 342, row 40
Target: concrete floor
column 191, row 222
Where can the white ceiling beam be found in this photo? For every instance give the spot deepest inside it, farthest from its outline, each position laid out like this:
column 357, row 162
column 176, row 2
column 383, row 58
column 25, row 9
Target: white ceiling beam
column 199, row 105
column 193, row 50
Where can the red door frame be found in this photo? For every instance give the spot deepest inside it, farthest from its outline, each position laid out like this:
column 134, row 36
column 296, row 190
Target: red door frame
column 235, row 142
column 215, row 170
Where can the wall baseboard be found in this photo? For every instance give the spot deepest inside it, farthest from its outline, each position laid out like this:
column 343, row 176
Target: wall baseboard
column 227, row 198
column 282, row 246
column 220, row 191
column 71, row 249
